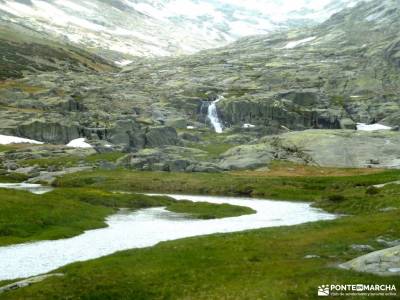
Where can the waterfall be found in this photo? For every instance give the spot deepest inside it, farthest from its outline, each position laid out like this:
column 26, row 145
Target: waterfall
column 212, row 115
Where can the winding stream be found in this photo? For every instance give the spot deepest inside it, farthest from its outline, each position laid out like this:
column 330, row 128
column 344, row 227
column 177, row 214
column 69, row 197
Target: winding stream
column 147, row 227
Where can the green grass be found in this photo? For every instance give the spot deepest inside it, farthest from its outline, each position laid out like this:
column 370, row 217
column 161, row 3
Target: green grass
column 315, row 189
column 28, row 217
column 5, row 148
column 112, row 156
column 258, row 264
column 214, row 150
column 211, row 143
column 63, row 161
column 12, row 177
column 204, row 210
column 69, row 161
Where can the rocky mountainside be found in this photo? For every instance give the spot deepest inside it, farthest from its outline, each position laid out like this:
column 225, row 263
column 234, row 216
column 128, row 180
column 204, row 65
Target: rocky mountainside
column 24, row 51
column 123, row 29
column 329, row 76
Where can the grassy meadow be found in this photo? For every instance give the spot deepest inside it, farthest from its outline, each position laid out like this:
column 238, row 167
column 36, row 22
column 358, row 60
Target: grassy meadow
column 267, row 263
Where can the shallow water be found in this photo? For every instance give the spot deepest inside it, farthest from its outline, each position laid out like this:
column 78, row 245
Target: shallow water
column 147, row 227
column 33, row 188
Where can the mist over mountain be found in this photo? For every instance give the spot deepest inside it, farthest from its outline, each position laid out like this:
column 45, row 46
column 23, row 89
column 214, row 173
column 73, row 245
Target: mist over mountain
column 121, row 29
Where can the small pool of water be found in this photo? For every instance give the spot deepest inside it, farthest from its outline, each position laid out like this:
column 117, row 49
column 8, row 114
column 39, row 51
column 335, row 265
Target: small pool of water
column 33, row 188
column 147, row 227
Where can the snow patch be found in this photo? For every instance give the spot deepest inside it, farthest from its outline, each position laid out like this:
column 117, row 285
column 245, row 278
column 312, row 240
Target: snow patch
column 7, row 139
column 248, row 125
column 79, row 143
column 372, row 127
column 124, row 62
column 294, row 44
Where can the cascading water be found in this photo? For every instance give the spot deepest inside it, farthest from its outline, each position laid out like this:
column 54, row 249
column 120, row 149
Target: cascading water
column 212, row 115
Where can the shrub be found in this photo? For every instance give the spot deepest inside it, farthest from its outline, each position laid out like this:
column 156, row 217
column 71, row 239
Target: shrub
column 336, row 198
column 372, row 191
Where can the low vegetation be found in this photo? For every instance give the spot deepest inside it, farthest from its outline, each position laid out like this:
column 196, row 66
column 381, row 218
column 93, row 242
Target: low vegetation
column 12, row 177
column 70, row 161
column 67, row 212
column 259, row 264
column 273, row 263
column 28, row 217
column 323, row 190
column 204, row 210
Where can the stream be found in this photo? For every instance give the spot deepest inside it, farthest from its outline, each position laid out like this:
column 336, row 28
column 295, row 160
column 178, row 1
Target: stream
column 145, row 228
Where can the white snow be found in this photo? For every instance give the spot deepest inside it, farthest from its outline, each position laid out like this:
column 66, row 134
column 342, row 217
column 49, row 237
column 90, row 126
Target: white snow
column 294, row 44
column 248, row 125
column 79, row 143
column 7, row 139
column 148, row 227
column 372, row 127
column 73, row 6
column 44, row 10
column 124, row 62
column 31, row 187
column 190, row 127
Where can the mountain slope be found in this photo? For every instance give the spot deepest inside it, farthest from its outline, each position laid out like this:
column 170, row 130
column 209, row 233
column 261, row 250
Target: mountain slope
column 24, row 51
column 343, row 71
column 121, row 29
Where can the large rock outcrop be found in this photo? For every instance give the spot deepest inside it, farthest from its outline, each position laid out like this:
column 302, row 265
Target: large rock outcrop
column 127, row 133
column 49, row 132
column 326, row 148
column 385, row 262
column 161, row 136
